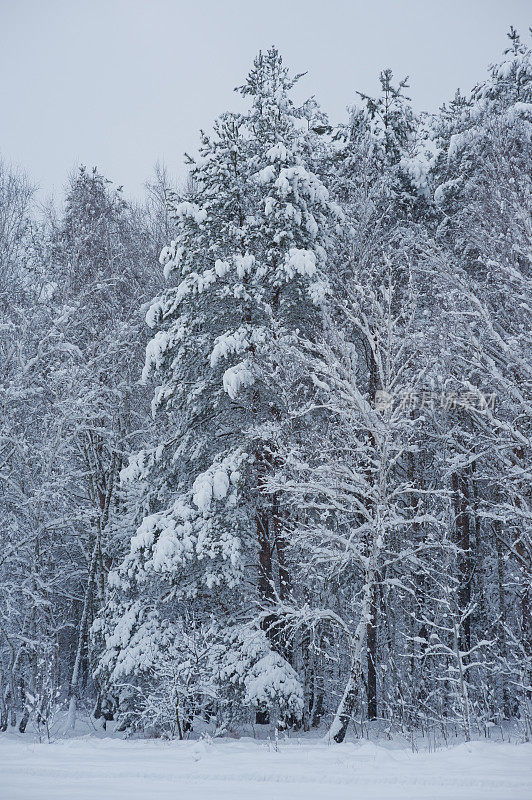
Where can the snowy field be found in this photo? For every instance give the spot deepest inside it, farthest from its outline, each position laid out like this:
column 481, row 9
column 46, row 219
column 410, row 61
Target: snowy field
column 88, row 767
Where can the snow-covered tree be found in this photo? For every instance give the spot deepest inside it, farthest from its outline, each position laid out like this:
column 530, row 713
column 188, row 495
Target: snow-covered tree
column 324, row 516
column 484, row 196
column 248, row 262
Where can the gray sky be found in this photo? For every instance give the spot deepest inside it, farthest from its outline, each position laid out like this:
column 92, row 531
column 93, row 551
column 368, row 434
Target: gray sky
column 122, row 83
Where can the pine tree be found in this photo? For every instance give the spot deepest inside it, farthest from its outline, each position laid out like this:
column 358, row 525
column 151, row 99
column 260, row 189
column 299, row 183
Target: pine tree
column 248, row 262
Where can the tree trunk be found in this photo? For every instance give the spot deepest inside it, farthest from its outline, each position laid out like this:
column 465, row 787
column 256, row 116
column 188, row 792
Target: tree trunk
column 74, row 681
column 371, row 635
column 3, row 706
column 460, row 489
column 349, row 699
column 371, row 614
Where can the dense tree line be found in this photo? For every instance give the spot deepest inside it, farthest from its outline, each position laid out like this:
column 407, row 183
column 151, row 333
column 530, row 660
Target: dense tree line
column 324, row 516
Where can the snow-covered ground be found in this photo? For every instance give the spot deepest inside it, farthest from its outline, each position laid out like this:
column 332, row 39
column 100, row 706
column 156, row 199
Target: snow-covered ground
column 88, row 767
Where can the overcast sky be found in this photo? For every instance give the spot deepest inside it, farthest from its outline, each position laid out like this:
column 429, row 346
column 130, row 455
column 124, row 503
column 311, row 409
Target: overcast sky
column 122, row 83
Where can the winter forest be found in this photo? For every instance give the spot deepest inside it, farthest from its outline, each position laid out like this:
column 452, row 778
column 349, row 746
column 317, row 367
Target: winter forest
column 265, row 436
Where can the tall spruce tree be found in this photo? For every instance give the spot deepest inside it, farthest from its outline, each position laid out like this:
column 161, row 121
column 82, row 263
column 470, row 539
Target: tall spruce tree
column 247, row 265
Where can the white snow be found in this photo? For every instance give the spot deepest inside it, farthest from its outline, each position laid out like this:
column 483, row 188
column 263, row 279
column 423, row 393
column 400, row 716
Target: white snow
column 191, row 211
column 215, row 482
column 272, row 678
column 220, row 484
column 243, row 264
column 278, row 152
column 441, row 190
column 269, row 205
column 221, row 268
column 229, row 343
column 300, row 181
column 418, row 167
column 89, row 768
column 266, row 175
column 237, row 378
column 202, row 491
column 237, row 342
column 458, row 141
column 155, row 353
column 300, row 261
column 170, row 258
